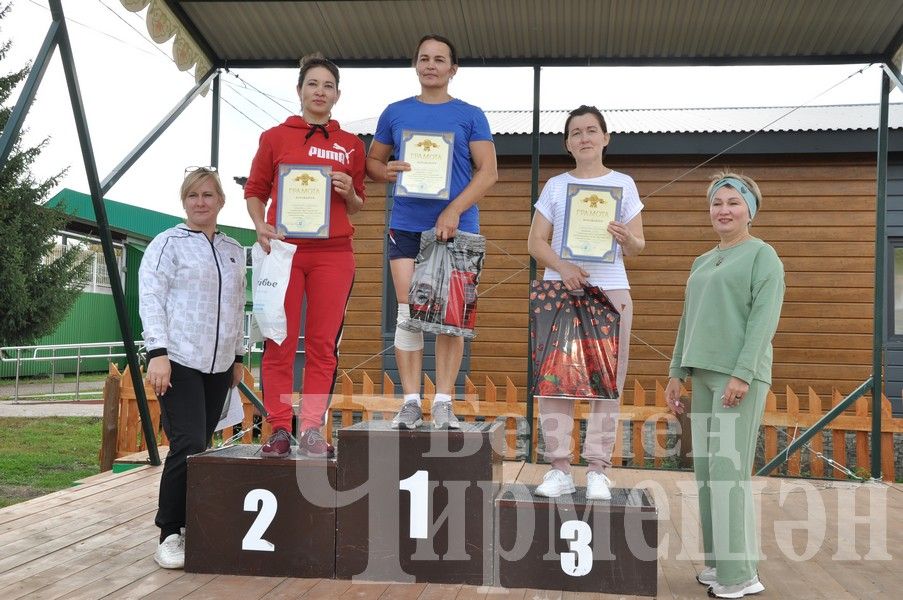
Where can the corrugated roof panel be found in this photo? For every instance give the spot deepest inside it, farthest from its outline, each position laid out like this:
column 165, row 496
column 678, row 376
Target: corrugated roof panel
column 134, row 221
column 695, row 120
column 575, row 31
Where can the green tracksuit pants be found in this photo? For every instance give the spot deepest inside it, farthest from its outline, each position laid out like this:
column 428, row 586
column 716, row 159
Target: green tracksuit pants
column 724, row 442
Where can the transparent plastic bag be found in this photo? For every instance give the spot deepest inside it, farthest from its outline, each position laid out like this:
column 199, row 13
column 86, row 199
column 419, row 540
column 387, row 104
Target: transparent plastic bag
column 575, row 339
column 443, row 295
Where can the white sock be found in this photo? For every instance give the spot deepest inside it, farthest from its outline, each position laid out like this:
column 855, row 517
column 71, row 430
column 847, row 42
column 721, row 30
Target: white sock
column 442, row 398
column 412, row 399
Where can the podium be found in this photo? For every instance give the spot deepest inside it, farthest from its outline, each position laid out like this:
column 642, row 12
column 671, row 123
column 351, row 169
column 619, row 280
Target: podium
column 418, row 505
column 574, row 544
column 249, row 515
column 412, row 506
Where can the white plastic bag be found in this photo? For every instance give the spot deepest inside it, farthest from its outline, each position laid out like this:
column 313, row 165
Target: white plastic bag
column 271, row 274
column 233, row 413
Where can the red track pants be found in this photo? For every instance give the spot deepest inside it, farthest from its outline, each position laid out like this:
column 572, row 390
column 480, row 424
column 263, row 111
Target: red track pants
column 326, row 278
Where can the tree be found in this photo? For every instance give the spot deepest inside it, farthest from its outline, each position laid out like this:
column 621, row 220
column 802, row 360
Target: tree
column 36, row 292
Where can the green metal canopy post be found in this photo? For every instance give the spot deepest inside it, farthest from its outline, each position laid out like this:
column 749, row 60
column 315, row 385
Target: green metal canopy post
column 26, row 97
column 215, row 125
column 534, row 192
column 880, row 262
column 132, row 157
column 819, row 425
column 84, row 138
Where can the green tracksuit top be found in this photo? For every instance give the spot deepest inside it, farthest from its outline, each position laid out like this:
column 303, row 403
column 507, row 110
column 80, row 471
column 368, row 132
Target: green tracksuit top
column 732, row 305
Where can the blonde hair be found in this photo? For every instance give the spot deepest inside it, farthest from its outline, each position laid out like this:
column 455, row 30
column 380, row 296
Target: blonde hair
column 750, row 183
column 198, row 176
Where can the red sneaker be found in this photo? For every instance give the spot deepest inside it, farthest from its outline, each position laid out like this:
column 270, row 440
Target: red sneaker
column 278, row 446
column 312, row 444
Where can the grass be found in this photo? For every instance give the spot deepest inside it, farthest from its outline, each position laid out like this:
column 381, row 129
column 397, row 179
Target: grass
column 39, row 456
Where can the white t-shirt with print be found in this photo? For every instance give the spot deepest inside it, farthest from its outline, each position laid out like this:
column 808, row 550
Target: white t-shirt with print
column 551, row 204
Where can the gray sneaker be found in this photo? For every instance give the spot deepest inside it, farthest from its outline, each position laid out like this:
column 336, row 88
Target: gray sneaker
column 409, row 417
column 443, row 417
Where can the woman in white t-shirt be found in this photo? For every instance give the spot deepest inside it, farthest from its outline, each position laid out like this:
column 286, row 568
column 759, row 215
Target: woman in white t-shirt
column 586, row 139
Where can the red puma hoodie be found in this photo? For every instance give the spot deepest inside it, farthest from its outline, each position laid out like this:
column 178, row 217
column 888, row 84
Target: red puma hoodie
column 296, row 142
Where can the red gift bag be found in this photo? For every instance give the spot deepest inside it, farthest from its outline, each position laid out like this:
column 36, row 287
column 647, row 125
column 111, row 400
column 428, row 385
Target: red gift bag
column 574, row 342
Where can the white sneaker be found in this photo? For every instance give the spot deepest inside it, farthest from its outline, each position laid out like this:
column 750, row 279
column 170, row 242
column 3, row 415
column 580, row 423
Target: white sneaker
column 598, row 486
column 707, row 576
column 753, row 586
column 170, row 552
column 556, row 483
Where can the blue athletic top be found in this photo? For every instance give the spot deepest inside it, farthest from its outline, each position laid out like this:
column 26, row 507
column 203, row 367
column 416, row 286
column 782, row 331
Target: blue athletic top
column 468, row 123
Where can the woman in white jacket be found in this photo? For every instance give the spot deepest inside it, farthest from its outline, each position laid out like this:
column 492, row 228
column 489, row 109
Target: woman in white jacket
column 192, row 297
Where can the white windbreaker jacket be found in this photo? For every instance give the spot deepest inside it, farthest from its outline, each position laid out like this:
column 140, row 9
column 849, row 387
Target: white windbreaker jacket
column 192, row 298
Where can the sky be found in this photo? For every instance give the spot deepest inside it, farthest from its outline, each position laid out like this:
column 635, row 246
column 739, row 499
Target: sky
column 128, row 83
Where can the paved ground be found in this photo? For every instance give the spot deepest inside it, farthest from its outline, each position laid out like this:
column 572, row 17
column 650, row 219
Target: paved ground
column 89, row 406
column 93, row 408
column 28, row 387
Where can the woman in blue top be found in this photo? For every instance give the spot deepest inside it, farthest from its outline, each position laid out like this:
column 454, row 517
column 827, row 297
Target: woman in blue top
column 473, row 173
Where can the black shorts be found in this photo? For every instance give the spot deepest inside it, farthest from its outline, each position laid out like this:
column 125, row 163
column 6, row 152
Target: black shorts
column 403, row 244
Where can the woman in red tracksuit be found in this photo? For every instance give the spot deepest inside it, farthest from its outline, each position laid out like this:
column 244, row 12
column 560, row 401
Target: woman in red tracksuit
column 322, row 269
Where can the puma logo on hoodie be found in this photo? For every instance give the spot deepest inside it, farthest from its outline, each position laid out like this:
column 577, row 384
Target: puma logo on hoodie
column 342, row 156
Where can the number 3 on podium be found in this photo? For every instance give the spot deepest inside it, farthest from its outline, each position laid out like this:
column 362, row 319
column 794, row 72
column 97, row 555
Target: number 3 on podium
column 579, row 560
column 264, row 503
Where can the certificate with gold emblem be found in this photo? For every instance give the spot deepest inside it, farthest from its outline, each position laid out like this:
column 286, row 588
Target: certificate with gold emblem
column 587, row 211
column 302, row 208
column 430, row 156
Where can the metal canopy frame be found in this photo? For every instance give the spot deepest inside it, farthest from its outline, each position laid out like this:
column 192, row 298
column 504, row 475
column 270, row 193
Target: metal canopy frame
column 58, row 38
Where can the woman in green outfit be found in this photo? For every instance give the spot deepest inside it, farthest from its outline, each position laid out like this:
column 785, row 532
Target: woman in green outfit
column 731, row 309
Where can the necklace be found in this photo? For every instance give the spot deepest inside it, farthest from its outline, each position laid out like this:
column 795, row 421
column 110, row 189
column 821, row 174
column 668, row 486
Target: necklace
column 720, row 251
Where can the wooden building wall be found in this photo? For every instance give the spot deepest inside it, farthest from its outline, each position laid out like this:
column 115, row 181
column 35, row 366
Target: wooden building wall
column 818, row 213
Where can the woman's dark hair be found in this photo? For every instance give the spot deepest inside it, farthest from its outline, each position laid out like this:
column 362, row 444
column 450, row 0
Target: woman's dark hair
column 580, row 111
column 438, row 38
column 317, row 60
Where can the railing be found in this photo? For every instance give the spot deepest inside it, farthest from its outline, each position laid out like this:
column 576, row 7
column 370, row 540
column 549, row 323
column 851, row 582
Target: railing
column 96, row 278
column 56, row 353
column 50, row 353
column 647, row 436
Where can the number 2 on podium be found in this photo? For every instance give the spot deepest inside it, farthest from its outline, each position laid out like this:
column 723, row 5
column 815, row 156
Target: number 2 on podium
column 265, row 502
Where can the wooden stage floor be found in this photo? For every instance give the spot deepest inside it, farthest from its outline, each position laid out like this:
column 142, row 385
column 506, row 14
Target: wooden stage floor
column 96, row 540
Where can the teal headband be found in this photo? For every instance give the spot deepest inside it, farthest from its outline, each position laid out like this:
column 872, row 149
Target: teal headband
column 741, row 188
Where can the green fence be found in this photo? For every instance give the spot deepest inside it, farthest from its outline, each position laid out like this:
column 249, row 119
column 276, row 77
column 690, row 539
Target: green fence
column 92, row 319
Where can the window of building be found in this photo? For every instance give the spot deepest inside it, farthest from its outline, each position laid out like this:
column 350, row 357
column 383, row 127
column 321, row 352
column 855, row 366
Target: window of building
column 897, row 288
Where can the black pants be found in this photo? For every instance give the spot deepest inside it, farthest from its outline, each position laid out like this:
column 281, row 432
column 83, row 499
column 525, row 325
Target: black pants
column 190, row 409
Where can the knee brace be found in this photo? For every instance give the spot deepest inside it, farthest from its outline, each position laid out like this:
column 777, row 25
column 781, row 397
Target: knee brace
column 404, row 339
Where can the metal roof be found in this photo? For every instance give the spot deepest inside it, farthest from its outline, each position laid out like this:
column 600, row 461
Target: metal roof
column 508, row 32
column 845, row 117
column 131, row 220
